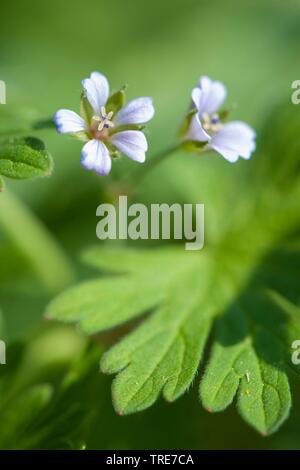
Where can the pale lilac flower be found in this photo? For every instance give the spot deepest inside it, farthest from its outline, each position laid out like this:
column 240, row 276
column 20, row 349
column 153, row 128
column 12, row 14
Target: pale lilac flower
column 232, row 140
column 106, row 131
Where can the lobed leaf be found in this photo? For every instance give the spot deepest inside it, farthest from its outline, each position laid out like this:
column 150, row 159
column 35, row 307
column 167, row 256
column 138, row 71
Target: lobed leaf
column 250, row 365
column 104, row 303
column 161, row 355
column 246, row 280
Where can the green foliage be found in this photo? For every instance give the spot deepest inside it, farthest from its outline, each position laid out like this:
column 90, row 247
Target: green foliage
column 23, row 158
column 64, row 205
column 26, row 409
column 40, row 415
column 163, row 353
column 231, row 280
column 51, row 265
column 250, row 365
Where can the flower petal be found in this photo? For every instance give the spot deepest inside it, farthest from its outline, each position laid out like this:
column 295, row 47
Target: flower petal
column 97, row 90
column 234, row 140
column 210, row 96
column 131, row 143
column 196, row 97
column 196, row 131
column 68, row 122
column 137, row 111
column 95, row 156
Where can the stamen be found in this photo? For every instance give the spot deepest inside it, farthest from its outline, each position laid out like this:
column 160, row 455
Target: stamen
column 103, row 112
column 104, row 119
column 215, row 119
column 211, row 123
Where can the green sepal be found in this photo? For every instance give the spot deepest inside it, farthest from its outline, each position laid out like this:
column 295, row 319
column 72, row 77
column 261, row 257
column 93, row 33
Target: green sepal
column 81, row 135
column 193, row 145
column 187, row 122
column 223, row 114
column 116, row 101
column 86, row 109
column 113, row 152
column 24, row 158
column 128, row 127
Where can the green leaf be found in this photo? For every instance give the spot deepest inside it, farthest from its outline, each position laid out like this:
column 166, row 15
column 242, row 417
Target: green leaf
column 38, row 415
column 83, row 303
column 26, row 408
column 246, row 281
column 23, row 158
column 184, row 292
column 250, row 365
column 163, row 354
column 1, row 185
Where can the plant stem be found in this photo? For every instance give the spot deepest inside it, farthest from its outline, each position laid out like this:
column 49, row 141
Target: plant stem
column 148, row 167
column 130, row 183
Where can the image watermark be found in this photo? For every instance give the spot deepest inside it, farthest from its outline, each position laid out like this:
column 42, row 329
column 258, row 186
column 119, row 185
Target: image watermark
column 160, row 221
column 2, row 92
column 2, row 352
column 295, row 97
column 296, row 353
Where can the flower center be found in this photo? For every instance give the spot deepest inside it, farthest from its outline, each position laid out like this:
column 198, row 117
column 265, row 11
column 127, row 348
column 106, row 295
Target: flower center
column 104, row 120
column 211, row 123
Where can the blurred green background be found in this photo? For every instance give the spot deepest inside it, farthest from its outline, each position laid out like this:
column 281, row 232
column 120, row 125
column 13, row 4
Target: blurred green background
column 160, row 48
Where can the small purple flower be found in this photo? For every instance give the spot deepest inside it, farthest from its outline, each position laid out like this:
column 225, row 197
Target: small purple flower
column 106, row 132
column 232, row 140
